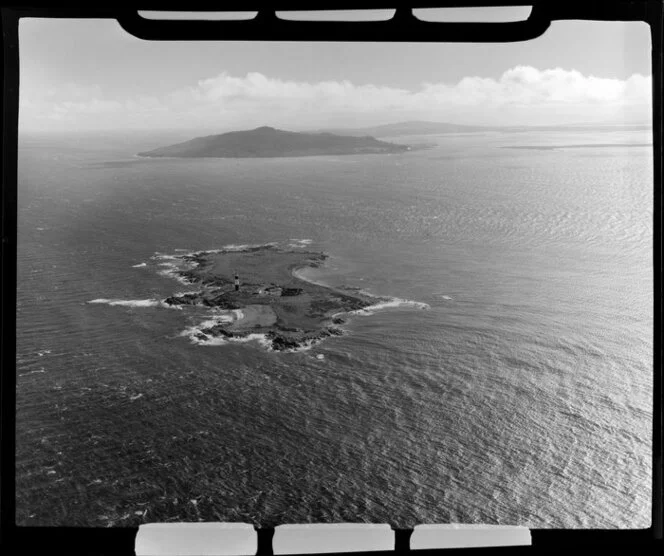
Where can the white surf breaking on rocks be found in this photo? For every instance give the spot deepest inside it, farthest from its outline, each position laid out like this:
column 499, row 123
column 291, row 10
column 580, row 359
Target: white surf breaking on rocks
column 382, row 302
column 137, row 303
column 173, row 266
column 198, row 334
column 229, row 248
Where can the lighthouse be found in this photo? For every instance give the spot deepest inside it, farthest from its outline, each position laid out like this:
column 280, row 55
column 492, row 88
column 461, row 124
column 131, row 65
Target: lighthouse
column 237, row 283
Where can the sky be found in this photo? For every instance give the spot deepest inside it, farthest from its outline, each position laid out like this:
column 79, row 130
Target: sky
column 91, row 75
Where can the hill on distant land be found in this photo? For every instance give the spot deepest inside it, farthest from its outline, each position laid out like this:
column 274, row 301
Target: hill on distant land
column 270, row 142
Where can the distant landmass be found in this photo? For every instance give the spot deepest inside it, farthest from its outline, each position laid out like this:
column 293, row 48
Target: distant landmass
column 270, row 142
column 436, row 128
column 410, row 128
column 577, row 146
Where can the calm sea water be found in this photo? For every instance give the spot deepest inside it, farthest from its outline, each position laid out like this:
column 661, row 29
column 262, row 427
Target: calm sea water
column 522, row 395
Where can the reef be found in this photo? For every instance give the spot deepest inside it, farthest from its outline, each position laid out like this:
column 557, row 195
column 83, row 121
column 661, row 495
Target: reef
column 271, row 301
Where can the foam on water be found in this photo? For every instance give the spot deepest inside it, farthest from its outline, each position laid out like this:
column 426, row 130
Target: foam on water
column 42, row 370
column 138, row 303
column 173, row 266
column 194, row 335
column 391, row 303
column 299, row 243
column 174, row 272
column 197, row 333
column 262, row 339
column 231, row 247
column 236, row 247
column 139, row 265
column 219, row 316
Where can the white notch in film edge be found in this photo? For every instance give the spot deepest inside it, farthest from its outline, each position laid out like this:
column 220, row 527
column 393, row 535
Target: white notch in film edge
column 196, row 539
column 460, row 535
column 331, row 537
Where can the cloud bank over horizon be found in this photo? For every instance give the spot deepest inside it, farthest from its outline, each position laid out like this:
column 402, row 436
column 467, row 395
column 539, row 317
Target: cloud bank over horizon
column 522, row 95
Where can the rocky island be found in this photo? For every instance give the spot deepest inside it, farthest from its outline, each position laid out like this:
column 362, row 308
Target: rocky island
column 255, row 293
column 269, row 142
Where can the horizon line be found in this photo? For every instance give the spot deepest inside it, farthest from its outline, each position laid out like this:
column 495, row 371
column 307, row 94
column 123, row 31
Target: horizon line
column 478, row 127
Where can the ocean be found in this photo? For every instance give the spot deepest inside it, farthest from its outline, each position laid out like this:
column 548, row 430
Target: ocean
column 510, row 382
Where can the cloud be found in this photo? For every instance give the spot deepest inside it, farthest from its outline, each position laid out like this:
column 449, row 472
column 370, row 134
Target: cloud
column 256, row 87
column 521, row 95
column 527, row 85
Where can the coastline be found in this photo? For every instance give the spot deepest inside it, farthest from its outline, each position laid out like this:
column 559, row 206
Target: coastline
column 260, row 293
column 275, row 304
